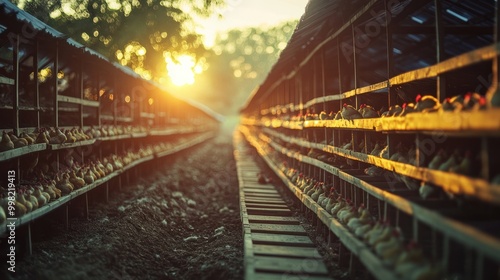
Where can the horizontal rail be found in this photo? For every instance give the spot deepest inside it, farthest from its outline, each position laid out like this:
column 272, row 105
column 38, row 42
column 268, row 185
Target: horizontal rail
column 482, row 122
column 19, row 152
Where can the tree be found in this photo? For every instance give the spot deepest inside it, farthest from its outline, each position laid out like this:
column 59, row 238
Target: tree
column 240, row 60
column 134, row 32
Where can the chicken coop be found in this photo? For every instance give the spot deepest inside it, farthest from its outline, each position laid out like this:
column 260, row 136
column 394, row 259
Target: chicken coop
column 382, row 118
column 77, row 125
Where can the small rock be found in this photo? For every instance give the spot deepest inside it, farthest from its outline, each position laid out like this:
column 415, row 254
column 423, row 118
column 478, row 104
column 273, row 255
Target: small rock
column 121, row 208
column 164, row 222
column 191, row 238
column 47, row 254
column 223, row 209
column 176, row 194
column 204, row 216
column 143, row 200
column 191, row 202
column 219, row 231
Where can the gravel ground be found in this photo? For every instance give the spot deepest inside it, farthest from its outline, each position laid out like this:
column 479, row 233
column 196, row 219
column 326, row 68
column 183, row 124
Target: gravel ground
column 181, row 222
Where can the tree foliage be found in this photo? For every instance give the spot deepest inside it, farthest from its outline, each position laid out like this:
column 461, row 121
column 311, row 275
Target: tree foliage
column 240, row 61
column 134, row 32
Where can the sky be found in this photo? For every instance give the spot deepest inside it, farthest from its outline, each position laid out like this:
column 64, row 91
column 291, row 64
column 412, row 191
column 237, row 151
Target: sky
column 250, row 13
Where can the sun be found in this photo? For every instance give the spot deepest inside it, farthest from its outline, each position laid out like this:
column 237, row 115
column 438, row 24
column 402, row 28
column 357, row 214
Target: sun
column 181, row 70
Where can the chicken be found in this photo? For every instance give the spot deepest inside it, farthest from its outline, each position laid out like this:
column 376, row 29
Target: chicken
column 426, row 190
column 48, row 189
column 407, row 108
column 331, row 116
column 323, row 194
column 349, row 206
column 385, row 152
column 376, row 150
column 42, row 137
column 64, row 185
column 427, row 103
column 21, row 209
column 341, row 203
column 465, row 166
column 368, row 111
column 309, row 187
column 57, row 137
column 338, row 116
column 449, row 163
column 27, row 138
column 79, row 135
column 76, row 181
column 6, row 143
column 362, row 230
column 348, row 214
column 376, row 229
column 70, row 138
column 437, row 160
column 89, row 177
column 323, row 115
column 331, row 201
column 390, row 249
column 22, row 200
column 393, row 111
column 350, row 113
column 318, row 189
column 42, row 197
column 363, row 219
column 412, row 253
column 377, row 237
column 18, row 142
column 454, row 104
column 474, row 101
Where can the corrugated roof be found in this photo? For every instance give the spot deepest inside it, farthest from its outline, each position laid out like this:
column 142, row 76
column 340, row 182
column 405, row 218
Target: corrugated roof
column 469, row 25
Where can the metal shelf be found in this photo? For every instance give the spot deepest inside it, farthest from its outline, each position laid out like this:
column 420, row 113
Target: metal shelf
column 450, row 182
column 74, row 100
column 476, row 123
column 54, row 147
column 461, row 232
column 29, row 217
column 14, row 153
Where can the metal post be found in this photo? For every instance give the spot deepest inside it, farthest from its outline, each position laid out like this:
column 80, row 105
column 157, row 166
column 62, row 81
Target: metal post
column 56, row 69
column 16, row 85
column 492, row 95
column 354, row 63
column 390, row 58
column 30, row 245
column 37, row 89
column 441, row 81
column 80, row 87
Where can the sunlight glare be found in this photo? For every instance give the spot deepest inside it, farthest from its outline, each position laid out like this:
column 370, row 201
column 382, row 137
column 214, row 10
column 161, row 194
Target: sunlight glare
column 182, row 71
